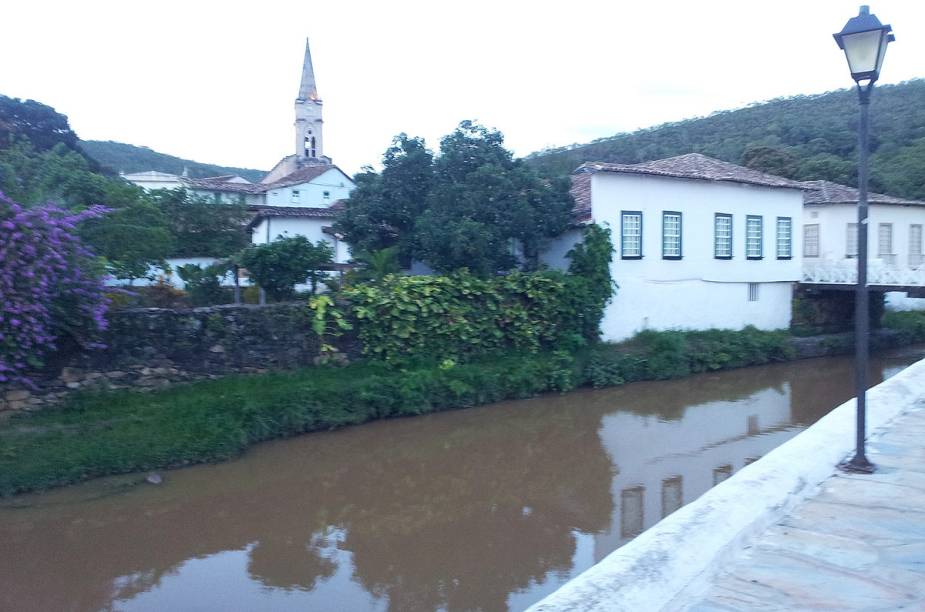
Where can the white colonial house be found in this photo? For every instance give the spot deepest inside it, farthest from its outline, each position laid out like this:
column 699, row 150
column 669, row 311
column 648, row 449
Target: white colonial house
column 300, row 196
column 895, row 255
column 699, row 243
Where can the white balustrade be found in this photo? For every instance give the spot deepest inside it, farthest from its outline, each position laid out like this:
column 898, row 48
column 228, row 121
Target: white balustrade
column 879, row 272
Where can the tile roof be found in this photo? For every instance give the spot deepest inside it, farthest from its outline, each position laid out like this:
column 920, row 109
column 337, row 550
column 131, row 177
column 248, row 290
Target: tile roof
column 827, row 192
column 294, row 211
column 581, row 193
column 302, row 175
column 695, row 166
column 214, row 185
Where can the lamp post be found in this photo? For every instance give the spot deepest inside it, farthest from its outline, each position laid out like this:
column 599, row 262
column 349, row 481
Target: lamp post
column 864, row 40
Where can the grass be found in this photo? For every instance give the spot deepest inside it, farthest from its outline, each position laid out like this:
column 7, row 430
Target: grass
column 113, row 433
column 97, row 434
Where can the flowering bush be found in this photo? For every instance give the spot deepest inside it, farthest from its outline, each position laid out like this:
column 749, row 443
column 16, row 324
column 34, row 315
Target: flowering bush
column 47, row 285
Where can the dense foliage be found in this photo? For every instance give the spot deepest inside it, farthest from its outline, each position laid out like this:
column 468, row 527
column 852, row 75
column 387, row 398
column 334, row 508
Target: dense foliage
column 279, row 266
column 909, row 325
column 803, row 137
column 461, row 315
column 672, row 354
column 473, row 207
column 47, row 284
column 381, row 212
column 36, row 123
column 590, row 283
column 127, row 158
column 200, row 227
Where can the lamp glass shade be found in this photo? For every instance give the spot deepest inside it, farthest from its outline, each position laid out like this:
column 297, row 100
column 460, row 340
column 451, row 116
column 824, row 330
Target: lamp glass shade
column 864, row 52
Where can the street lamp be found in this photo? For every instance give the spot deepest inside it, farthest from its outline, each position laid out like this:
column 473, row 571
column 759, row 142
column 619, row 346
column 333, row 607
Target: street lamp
column 864, row 40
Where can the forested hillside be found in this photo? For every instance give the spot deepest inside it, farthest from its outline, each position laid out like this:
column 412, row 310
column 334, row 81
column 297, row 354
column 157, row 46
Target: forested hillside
column 119, row 156
column 804, row 137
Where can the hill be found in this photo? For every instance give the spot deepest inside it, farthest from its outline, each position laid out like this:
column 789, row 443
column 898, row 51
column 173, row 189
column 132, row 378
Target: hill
column 803, row 137
column 118, row 156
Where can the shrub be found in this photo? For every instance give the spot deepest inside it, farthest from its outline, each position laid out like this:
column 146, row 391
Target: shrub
column 590, row 284
column 204, row 285
column 672, row 354
column 909, row 324
column 49, row 283
column 460, row 315
column 282, row 264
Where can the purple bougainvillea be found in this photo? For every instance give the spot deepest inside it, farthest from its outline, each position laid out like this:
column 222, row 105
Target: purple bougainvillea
column 47, row 288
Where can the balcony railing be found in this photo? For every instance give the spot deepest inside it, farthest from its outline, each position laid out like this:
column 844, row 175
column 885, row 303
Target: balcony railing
column 879, row 272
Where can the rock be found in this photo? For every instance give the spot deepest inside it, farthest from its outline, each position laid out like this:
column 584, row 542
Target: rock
column 73, row 385
column 217, row 348
column 146, row 371
column 115, row 375
column 16, row 395
column 154, row 478
column 161, row 371
column 17, row 405
column 93, row 376
column 71, row 374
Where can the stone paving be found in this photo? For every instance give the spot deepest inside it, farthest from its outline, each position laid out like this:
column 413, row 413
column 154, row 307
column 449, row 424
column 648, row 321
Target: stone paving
column 858, row 544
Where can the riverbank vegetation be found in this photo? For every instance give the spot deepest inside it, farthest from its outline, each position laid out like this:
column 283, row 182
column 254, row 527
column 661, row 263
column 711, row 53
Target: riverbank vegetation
column 111, row 433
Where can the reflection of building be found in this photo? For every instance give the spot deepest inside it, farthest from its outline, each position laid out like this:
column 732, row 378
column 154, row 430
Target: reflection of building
column 662, row 464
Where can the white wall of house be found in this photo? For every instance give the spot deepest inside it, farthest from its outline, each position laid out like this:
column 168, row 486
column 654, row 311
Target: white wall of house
column 231, row 197
column 154, row 180
column 271, row 228
column 697, row 291
column 833, row 221
column 320, row 192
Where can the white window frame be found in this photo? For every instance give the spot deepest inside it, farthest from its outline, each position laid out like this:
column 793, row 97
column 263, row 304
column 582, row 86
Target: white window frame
column 811, row 239
column 851, row 240
column 631, row 234
column 722, row 236
column 754, row 292
column 671, row 235
column 915, row 245
column 754, row 240
column 785, row 238
column 295, row 196
column 885, row 246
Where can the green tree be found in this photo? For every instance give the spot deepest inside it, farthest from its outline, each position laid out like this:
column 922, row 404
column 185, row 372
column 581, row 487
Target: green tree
column 280, row 265
column 201, row 227
column 381, row 212
column 132, row 239
column 377, row 264
column 487, row 211
column 773, row 160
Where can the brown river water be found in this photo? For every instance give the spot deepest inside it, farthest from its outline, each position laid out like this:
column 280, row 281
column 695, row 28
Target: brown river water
column 489, row 508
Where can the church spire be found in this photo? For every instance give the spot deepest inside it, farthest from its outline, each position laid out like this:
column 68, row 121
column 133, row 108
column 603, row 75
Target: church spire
column 307, row 89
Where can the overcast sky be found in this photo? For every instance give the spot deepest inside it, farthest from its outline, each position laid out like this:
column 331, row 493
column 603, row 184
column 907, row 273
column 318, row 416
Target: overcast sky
column 216, row 81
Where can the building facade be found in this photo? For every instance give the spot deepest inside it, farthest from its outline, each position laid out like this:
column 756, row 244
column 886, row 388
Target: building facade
column 895, row 242
column 300, row 196
column 699, row 243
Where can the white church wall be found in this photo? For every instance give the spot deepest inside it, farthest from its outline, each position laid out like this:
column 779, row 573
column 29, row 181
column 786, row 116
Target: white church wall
column 321, row 192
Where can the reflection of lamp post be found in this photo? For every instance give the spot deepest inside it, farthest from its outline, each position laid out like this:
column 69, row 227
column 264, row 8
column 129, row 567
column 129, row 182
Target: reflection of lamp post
column 864, row 40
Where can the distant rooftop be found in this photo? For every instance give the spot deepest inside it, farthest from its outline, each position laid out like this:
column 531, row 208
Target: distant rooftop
column 697, row 167
column 827, row 192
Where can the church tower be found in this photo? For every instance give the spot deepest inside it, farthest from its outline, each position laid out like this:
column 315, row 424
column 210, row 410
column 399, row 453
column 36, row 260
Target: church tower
column 309, row 143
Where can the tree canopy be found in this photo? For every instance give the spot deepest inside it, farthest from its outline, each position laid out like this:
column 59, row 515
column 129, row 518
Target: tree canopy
column 472, row 206
column 805, row 137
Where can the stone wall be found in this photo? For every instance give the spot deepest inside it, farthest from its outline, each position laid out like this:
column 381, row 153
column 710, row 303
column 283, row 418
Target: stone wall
column 148, row 348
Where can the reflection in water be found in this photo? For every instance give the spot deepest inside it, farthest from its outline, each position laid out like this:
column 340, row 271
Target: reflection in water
column 488, row 508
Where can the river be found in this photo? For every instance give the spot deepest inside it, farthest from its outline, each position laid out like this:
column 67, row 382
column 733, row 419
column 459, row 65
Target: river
column 489, row 508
